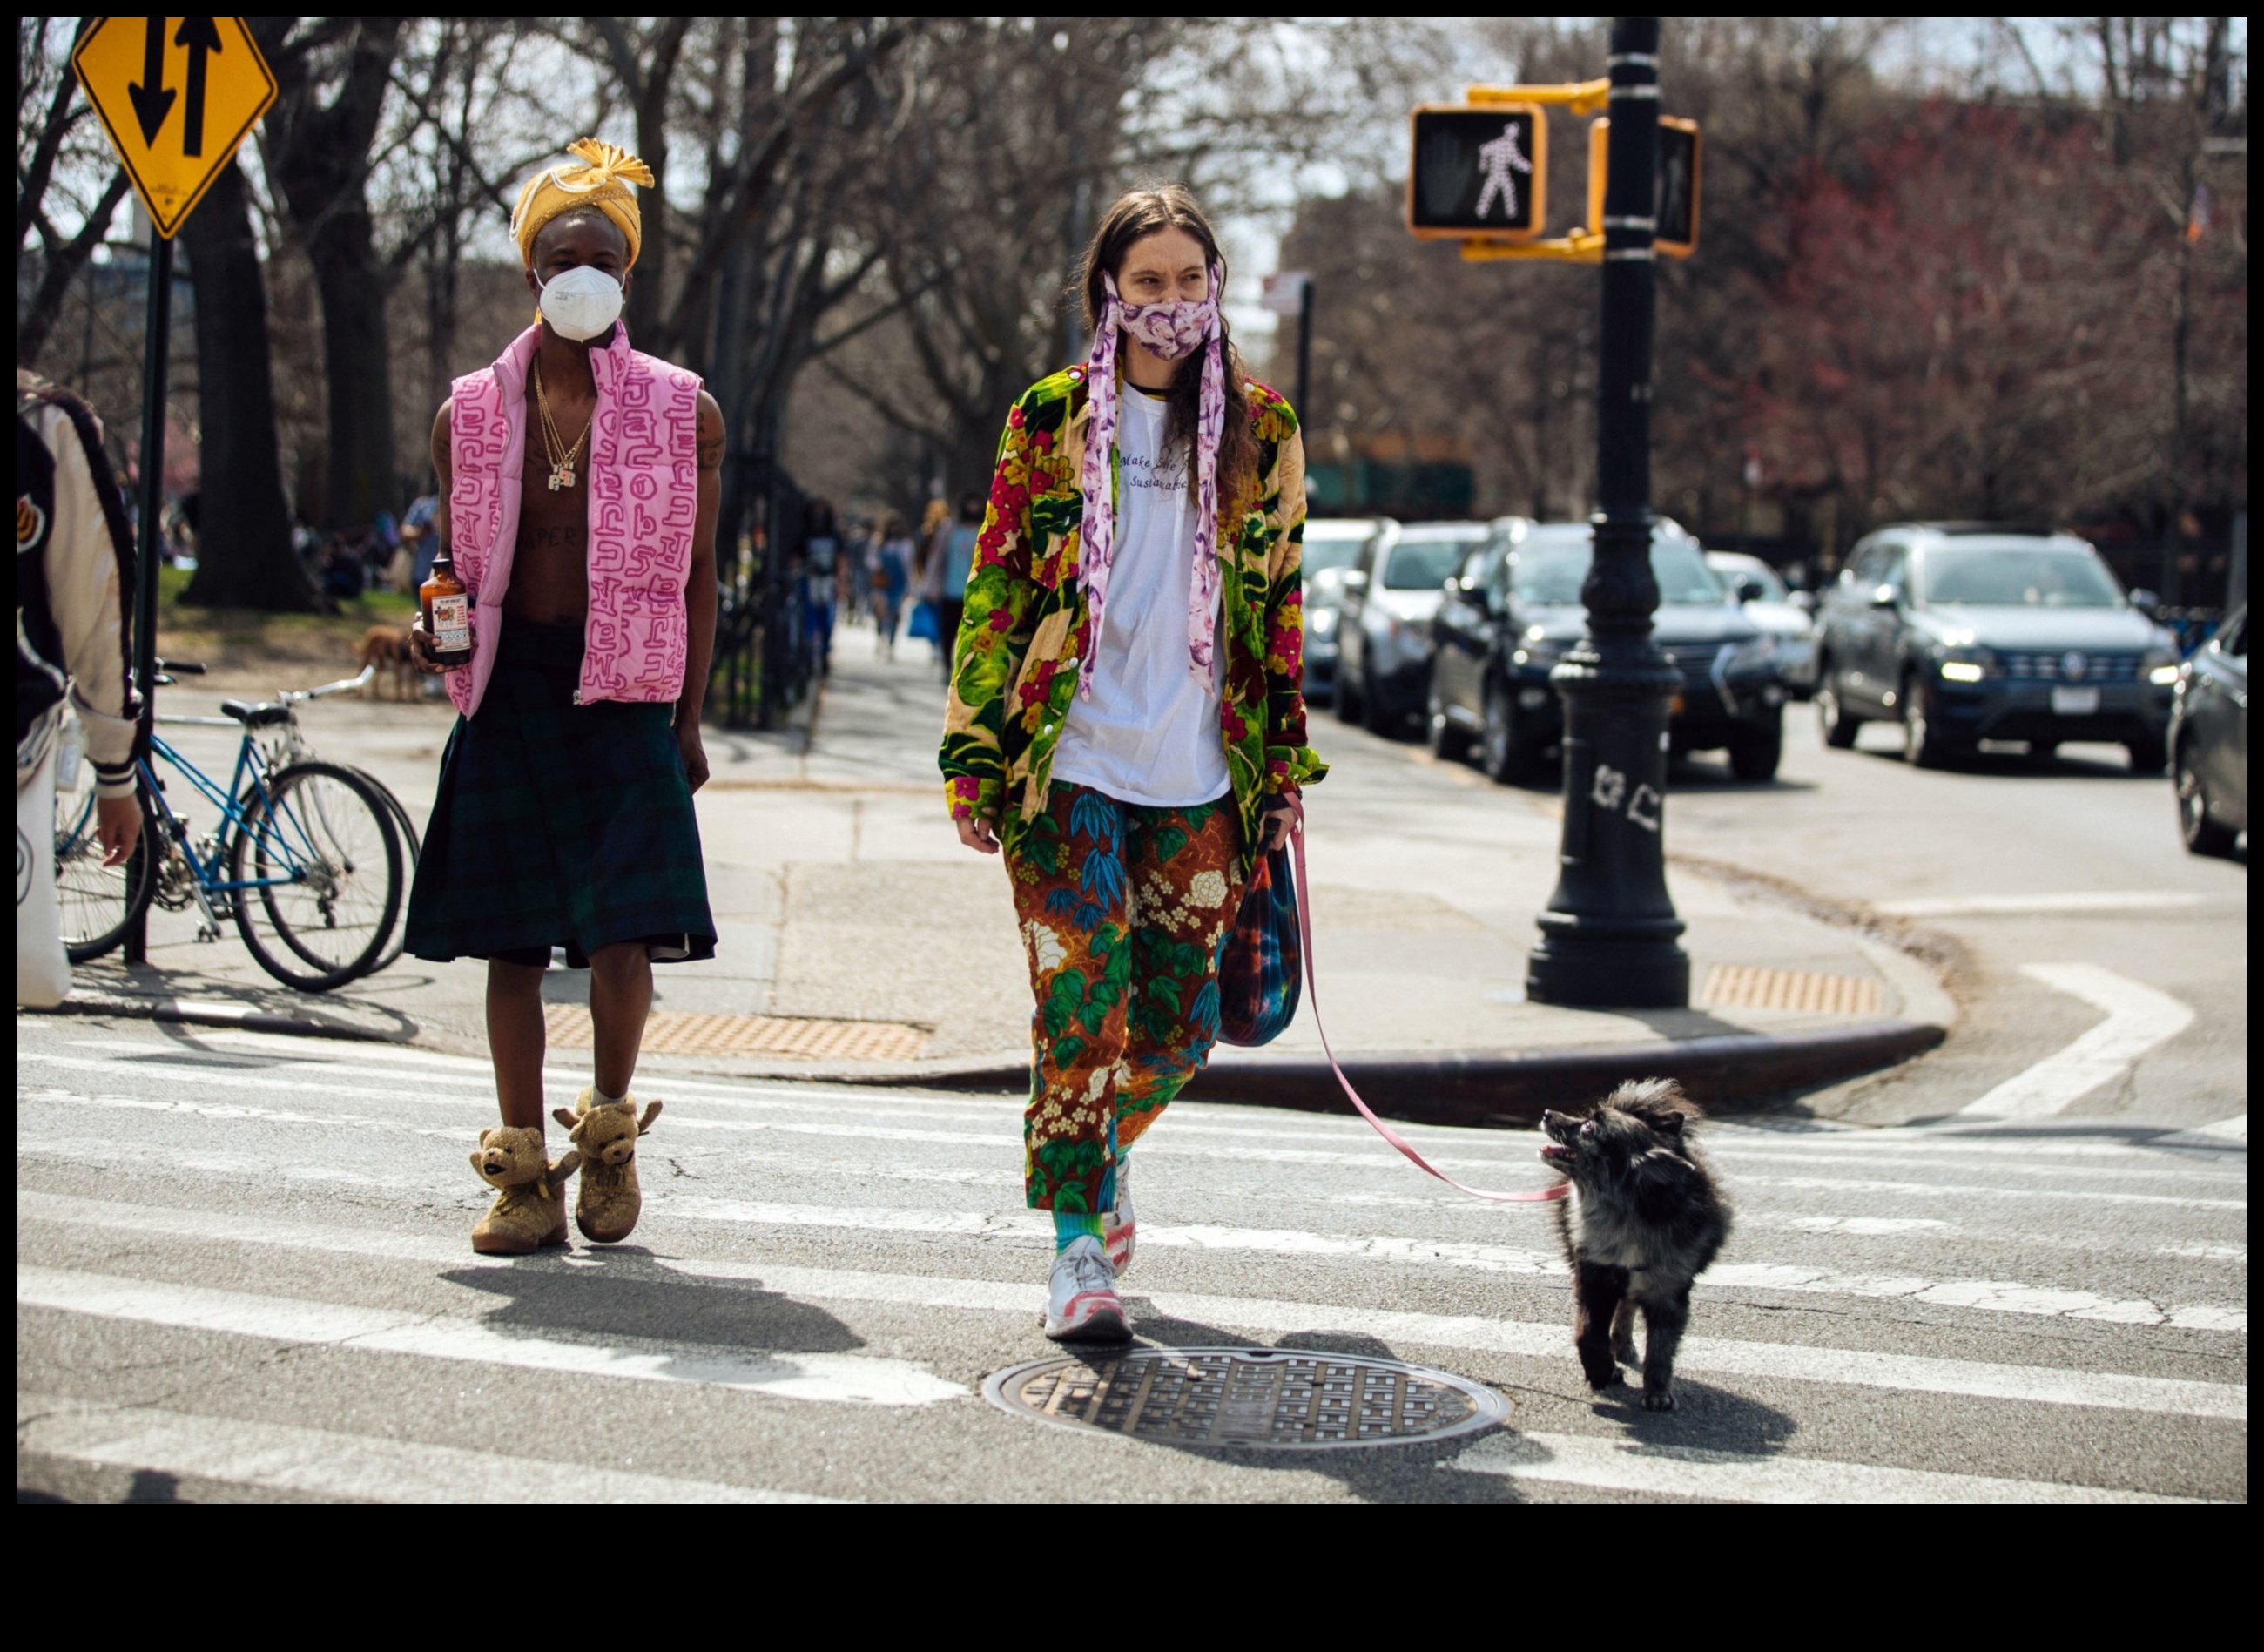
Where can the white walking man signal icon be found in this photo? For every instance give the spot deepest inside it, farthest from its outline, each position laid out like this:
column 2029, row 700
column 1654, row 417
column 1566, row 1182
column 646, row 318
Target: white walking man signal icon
column 1498, row 159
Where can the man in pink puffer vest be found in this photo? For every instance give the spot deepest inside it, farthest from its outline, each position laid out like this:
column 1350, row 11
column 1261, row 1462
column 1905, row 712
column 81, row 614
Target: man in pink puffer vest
column 581, row 481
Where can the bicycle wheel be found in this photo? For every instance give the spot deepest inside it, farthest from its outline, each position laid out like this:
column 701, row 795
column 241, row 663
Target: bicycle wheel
column 96, row 904
column 398, row 935
column 318, row 866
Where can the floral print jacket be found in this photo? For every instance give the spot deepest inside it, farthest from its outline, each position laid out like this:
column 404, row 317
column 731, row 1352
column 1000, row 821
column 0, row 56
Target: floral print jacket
column 1027, row 623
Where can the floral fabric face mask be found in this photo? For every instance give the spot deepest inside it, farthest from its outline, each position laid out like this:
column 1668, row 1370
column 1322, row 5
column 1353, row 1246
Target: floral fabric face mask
column 1175, row 330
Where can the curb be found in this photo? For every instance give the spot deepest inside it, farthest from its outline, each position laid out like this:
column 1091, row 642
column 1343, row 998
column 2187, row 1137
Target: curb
column 1513, row 1086
column 1451, row 1087
column 197, row 1013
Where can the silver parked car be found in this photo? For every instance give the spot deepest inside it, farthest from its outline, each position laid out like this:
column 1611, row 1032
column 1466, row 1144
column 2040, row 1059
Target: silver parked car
column 1760, row 590
column 1384, row 637
column 1334, row 545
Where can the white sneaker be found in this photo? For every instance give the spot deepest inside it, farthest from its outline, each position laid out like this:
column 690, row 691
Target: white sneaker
column 1081, row 1301
column 1120, row 1231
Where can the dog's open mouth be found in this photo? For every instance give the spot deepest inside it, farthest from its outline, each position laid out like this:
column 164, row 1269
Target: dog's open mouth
column 1557, row 1152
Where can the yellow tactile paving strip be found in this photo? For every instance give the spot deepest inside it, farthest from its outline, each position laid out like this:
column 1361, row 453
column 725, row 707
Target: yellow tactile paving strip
column 1744, row 987
column 670, row 1032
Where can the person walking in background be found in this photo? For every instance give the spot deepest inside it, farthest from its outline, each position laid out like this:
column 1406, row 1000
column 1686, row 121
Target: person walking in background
column 1125, row 718
column 935, row 528
column 565, row 816
column 823, row 552
column 892, row 555
column 73, row 566
column 957, row 562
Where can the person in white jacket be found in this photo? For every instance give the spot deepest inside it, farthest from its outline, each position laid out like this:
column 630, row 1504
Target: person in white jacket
column 74, row 564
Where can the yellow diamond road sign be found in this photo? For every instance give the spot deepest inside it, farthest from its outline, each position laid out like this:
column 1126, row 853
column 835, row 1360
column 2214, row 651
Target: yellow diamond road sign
column 176, row 95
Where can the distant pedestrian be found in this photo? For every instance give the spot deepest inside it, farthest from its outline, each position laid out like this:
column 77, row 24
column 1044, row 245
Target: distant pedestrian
column 927, row 571
column 1125, row 717
column 892, row 557
column 564, row 818
column 957, row 562
column 822, row 553
column 73, row 571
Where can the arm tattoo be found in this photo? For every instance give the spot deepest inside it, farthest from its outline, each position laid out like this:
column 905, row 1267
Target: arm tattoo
column 711, row 451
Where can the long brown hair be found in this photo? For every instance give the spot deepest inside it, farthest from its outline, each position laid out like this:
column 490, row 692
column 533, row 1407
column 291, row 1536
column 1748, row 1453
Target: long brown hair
column 1136, row 214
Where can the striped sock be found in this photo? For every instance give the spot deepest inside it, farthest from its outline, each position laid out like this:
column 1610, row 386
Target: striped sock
column 1071, row 1226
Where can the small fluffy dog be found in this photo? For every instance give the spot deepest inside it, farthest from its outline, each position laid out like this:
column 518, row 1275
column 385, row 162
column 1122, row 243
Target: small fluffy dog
column 388, row 646
column 1644, row 1218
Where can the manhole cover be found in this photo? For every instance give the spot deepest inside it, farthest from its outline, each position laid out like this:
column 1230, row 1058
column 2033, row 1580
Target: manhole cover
column 1273, row 1399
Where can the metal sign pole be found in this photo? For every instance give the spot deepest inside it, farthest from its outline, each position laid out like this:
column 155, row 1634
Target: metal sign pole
column 1609, row 937
column 152, row 536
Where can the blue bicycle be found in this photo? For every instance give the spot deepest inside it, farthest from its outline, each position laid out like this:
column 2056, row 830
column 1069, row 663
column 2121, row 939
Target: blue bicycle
column 306, row 858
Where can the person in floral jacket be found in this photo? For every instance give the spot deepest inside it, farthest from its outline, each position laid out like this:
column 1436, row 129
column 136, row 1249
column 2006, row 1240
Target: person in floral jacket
column 1126, row 719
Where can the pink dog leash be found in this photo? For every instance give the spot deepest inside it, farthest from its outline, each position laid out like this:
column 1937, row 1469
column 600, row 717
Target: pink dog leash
column 1312, row 986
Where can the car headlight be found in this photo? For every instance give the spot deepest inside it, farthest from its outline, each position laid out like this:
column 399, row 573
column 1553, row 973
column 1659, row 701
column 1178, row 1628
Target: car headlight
column 1322, row 622
column 1540, row 653
column 1758, row 655
column 2159, row 667
column 1964, row 663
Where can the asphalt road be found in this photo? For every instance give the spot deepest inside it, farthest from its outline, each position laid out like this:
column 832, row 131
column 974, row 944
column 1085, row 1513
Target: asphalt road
column 2007, row 871
column 243, row 1270
column 243, row 1274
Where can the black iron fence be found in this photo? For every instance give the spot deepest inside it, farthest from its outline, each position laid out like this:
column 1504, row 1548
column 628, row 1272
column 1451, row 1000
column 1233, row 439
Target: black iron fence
column 765, row 663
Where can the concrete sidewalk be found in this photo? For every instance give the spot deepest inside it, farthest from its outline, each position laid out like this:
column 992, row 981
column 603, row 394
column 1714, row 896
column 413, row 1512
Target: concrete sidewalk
column 859, row 940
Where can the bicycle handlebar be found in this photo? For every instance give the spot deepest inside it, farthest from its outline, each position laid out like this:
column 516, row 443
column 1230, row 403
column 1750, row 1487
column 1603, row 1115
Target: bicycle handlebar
column 292, row 696
column 180, row 667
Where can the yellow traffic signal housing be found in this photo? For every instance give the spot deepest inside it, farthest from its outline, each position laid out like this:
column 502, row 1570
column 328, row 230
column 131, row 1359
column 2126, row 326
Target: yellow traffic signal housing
column 1677, row 209
column 1478, row 174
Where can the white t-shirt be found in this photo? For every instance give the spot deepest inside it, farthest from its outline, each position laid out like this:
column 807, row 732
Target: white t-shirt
column 1149, row 731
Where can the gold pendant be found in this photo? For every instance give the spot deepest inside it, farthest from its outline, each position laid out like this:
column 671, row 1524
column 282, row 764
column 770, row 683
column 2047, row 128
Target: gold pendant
column 561, row 477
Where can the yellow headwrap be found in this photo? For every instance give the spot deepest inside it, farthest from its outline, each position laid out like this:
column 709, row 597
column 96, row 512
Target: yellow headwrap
column 602, row 183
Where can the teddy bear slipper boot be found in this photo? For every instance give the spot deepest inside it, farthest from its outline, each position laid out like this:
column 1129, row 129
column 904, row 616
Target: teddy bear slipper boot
column 530, row 1207
column 606, row 1137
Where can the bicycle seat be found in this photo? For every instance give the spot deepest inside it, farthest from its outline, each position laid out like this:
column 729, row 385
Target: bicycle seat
column 256, row 716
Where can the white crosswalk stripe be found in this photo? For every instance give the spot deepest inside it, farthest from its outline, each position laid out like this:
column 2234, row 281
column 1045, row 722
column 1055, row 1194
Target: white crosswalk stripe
column 304, row 1322
column 324, row 1463
column 894, row 1218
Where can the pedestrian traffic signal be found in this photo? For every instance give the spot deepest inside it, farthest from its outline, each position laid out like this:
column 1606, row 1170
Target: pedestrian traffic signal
column 1676, row 208
column 1478, row 174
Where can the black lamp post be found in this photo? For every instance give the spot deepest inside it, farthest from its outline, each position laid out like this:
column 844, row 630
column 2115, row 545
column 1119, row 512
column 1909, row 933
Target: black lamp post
column 1608, row 938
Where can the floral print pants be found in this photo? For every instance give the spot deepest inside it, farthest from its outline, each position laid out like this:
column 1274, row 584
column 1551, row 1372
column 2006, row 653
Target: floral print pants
column 1124, row 910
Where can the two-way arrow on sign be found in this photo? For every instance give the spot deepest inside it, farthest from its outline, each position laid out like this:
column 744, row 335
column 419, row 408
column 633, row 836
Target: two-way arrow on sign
column 153, row 100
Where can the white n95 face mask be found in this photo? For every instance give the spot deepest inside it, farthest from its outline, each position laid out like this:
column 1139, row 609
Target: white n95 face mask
column 581, row 303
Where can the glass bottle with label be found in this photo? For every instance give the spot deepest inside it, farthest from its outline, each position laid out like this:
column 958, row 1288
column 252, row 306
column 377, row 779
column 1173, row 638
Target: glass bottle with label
column 447, row 615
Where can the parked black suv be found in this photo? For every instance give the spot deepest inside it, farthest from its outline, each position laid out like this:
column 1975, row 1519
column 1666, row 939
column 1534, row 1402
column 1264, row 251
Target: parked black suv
column 1967, row 631
column 1515, row 609
column 2208, row 740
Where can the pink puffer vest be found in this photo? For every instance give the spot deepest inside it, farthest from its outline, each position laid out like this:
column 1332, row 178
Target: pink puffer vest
column 643, row 474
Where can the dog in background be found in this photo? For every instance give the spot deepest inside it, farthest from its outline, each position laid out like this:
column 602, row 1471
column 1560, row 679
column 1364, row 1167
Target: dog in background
column 387, row 646
column 1644, row 1218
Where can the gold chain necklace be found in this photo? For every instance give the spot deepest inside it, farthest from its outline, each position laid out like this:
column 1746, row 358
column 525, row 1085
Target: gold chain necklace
column 562, row 458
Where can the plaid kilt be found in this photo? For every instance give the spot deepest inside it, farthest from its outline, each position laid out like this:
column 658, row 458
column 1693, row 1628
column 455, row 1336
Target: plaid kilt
column 1260, row 969
column 557, row 824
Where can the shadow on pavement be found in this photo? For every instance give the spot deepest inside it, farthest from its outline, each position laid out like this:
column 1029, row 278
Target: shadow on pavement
column 621, row 1291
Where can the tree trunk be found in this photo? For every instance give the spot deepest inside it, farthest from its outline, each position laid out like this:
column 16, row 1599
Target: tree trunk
column 318, row 158
column 357, row 365
column 243, row 548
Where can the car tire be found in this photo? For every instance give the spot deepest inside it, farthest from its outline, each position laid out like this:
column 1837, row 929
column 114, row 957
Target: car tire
column 1348, row 705
column 2204, row 835
column 1451, row 742
column 1924, row 745
column 1840, row 729
column 2148, row 756
column 1505, row 759
column 1755, row 750
column 1379, row 714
